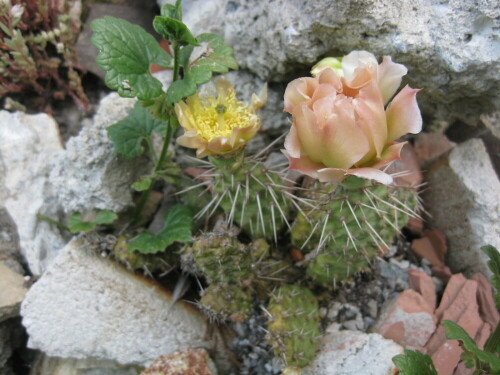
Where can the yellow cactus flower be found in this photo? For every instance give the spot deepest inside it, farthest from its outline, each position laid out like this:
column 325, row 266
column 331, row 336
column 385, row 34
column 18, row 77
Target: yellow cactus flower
column 218, row 124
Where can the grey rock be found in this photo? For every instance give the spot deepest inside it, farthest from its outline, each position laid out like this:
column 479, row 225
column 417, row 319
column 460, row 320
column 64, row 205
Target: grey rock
column 353, row 353
column 463, row 199
column 5, row 343
column 29, row 148
column 90, row 175
column 12, row 292
column 85, row 306
column 10, row 251
column 45, row 365
column 452, row 48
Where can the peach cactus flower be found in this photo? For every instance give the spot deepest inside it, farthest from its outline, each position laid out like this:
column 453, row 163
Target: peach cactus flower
column 218, row 124
column 341, row 125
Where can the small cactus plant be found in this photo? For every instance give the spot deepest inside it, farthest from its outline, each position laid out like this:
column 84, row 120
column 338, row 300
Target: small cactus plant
column 349, row 226
column 293, row 324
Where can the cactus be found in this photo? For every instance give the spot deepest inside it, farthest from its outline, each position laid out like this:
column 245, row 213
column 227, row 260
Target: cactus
column 293, row 324
column 231, row 301
column 349, row 226
column 249, row 194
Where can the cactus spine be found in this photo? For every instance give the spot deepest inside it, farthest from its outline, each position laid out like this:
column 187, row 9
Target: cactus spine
column 293, row 324
column 349, row 226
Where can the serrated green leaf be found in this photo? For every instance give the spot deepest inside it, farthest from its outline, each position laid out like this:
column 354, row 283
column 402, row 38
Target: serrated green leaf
column 414, row 363
column 125, row 52
column 143, row 184
column 76, row 224
column 128, row 134
column 471, row 351
column 177, row 228
column 494, row 265
column 217, row 57
column 169, row 10
column 174, row 30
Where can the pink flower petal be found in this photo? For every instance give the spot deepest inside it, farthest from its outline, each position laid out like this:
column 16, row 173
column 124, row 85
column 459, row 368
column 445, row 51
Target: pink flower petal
column 355, row 60
column 292, row 143
column 389, row 77
column 370, row 108
column 390, row 154
column 309, row 133
column 303, row 165
column 329, row 77
column 403, row 114
column 344, row 141
column 371, row 174
column 331, row 174
column 298, row 91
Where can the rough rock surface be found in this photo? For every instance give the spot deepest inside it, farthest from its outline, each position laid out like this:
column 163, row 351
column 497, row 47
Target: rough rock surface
column 109, row 312
column 45, row 365
column 451, row 48
column 12, row 292
column 10, row 252
column 91, row 175
column 463, row 199
column 189, row 362
column 407, row 319
column 354, row 353
column 29, row 147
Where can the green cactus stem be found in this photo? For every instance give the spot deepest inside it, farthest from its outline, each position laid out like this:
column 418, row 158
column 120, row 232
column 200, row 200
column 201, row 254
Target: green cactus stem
column 349, row 226
column 293, row 324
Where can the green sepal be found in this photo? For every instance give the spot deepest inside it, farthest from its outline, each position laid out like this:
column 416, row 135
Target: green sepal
column 472, row 355
column 178, row 222
column 128, row 134
column 125, row 52
column 76, row 224
column 414, row 363
column 174, row 31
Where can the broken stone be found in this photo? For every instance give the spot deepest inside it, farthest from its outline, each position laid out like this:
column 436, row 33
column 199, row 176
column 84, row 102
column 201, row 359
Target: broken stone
column 464, row 201
column 487, row 306
column 459, row 305
column 415, row 225
column 407, row 319
column 353, row 353
column 430, row 146
column 431, row 247
column 422, row 283
column 112, row 314
column 12, row 292
column 45, row 365
column 189, row 362
column 29, row 147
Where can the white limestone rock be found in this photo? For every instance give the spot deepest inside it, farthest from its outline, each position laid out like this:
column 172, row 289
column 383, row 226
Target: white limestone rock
column 86, row 306
column 354, row 353
column 91, row 175
column 452, row 48
column 29, row 148
column 463, row 198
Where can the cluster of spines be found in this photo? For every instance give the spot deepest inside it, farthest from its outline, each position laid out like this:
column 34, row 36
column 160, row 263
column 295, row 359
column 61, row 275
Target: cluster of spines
column 293, row 324
column 251, row 195
column 349, row 226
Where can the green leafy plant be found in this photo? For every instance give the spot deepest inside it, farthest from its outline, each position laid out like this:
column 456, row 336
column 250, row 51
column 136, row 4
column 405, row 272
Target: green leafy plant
column 177, row 226
column 126, row 52
column 77, row 224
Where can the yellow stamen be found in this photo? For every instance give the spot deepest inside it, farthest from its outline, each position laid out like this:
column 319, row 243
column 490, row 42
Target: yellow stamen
column 218, row 116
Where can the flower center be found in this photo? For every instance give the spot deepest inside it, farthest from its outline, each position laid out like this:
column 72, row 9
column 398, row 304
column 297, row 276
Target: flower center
column 217, row 117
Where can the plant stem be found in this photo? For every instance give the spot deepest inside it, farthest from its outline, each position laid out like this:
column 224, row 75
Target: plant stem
column 171, row 125
column 52, row 221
